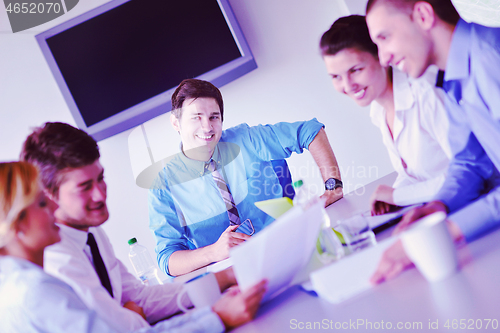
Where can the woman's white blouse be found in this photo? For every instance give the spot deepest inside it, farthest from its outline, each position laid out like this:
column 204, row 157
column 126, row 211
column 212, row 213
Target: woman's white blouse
column 420, row 151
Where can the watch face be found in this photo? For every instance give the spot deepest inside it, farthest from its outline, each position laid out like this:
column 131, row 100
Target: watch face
column 332, row 184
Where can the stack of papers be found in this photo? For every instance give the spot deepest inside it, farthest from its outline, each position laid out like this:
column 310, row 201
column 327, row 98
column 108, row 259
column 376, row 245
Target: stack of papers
column 278, row 252
column 349, row 276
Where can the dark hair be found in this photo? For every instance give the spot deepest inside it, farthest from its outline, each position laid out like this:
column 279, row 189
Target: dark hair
column 194, row 88
column 345, row 33
column 444, row 9
column 56, row 147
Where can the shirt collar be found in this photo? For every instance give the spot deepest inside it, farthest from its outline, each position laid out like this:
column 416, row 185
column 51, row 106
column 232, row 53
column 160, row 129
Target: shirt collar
column 201, row 167
column 77, row 236
column 403, row 97
column 458, row 64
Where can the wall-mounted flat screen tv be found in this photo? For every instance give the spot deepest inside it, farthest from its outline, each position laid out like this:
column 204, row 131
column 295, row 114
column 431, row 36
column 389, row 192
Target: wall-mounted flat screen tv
column 118, row 64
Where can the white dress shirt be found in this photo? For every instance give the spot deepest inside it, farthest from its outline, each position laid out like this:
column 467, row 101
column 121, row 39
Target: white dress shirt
column 420, row 152
column 33, row 301
column 69, row 260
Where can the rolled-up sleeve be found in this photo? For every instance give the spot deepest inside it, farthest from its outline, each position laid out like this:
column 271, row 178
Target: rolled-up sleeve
column 279, row 141
column 470, row 175
column 479, row 217
column 469, row 170
column 165, row 225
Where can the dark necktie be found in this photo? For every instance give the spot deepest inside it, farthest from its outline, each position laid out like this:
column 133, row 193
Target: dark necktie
column 100, row 268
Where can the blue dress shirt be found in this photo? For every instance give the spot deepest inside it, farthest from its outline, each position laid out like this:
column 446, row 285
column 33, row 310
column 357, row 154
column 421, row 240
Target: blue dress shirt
column 472, row 84
column 186, row 210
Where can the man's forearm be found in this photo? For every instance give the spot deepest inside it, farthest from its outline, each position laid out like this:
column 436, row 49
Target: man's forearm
column 324, row 157
column 185, row 261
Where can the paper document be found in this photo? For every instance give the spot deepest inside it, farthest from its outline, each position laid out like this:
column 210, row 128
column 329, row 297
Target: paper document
column 378, row 220
column 279, row 251
column 349, row 276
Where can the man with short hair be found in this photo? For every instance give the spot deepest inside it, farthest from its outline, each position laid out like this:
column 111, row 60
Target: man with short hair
column 412, row 35
column 68, row 159
column 209, row 189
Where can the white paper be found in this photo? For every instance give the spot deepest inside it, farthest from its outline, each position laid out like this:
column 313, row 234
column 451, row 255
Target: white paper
column 279, row 251
column 349, row 276
column 378, row 220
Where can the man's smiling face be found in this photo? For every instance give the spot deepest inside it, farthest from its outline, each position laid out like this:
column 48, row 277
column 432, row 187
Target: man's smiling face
column 401, row 40
column 200, row 125
column 82, row 197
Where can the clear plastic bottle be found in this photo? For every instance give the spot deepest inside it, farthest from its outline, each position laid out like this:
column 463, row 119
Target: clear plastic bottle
column 329, row 244
column 303, row 196
column 144, row 266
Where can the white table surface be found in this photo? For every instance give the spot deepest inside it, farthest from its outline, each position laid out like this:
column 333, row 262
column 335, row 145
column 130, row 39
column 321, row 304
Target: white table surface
column 409, row 301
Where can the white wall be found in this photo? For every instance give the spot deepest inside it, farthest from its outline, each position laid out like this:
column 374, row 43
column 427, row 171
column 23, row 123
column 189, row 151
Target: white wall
column 290, row 84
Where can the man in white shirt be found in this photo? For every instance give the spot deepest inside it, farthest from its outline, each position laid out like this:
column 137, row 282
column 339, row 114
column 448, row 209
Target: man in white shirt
column 73, row 177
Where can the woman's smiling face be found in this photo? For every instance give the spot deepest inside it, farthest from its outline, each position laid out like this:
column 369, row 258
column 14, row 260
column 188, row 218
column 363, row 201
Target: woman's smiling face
column 357, row 74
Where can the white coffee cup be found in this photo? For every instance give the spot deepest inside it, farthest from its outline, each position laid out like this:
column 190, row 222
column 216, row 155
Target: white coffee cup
column 429, row 245
column 202, row 290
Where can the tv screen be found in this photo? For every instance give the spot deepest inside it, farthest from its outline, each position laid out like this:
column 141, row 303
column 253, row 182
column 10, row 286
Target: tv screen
column 118, row 65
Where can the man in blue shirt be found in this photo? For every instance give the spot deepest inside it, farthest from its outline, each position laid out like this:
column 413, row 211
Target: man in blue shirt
column 412, row 35
column 187, row 212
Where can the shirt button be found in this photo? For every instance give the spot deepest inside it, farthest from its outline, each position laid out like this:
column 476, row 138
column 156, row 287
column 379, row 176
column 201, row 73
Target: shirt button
column 461, row 102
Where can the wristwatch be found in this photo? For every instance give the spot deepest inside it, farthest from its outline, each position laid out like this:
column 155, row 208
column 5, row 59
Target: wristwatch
column 332, row 183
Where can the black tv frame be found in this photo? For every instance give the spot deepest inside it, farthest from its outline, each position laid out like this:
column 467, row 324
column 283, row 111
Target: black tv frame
column 155, row 105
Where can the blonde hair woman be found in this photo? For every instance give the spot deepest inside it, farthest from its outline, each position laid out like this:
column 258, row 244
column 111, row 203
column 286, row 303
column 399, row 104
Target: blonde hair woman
column 30, row 299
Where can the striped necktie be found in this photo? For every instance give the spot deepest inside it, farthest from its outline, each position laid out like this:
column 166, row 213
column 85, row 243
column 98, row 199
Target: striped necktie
column 232, row 211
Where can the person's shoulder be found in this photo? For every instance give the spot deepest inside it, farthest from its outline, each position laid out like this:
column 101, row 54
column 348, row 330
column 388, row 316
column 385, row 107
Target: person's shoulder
column 171, row 166
column 25, row 280
column 486, row 38
column 424, row 88
column 99, row 234
column 71, row 240
column 234, row 133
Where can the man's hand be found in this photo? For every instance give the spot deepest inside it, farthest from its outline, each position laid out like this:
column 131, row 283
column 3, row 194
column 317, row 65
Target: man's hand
column 226, row 278
column 132, row 306
column 332, row 196
column 394, row 261
column 418, row 213
column 382, row 200
column 228, row 239
column 236, row 308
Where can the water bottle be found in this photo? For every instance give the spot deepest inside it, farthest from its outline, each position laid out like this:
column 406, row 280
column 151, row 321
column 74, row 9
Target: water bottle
column 144, row 266
column 329, row 244
column 303, row 196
